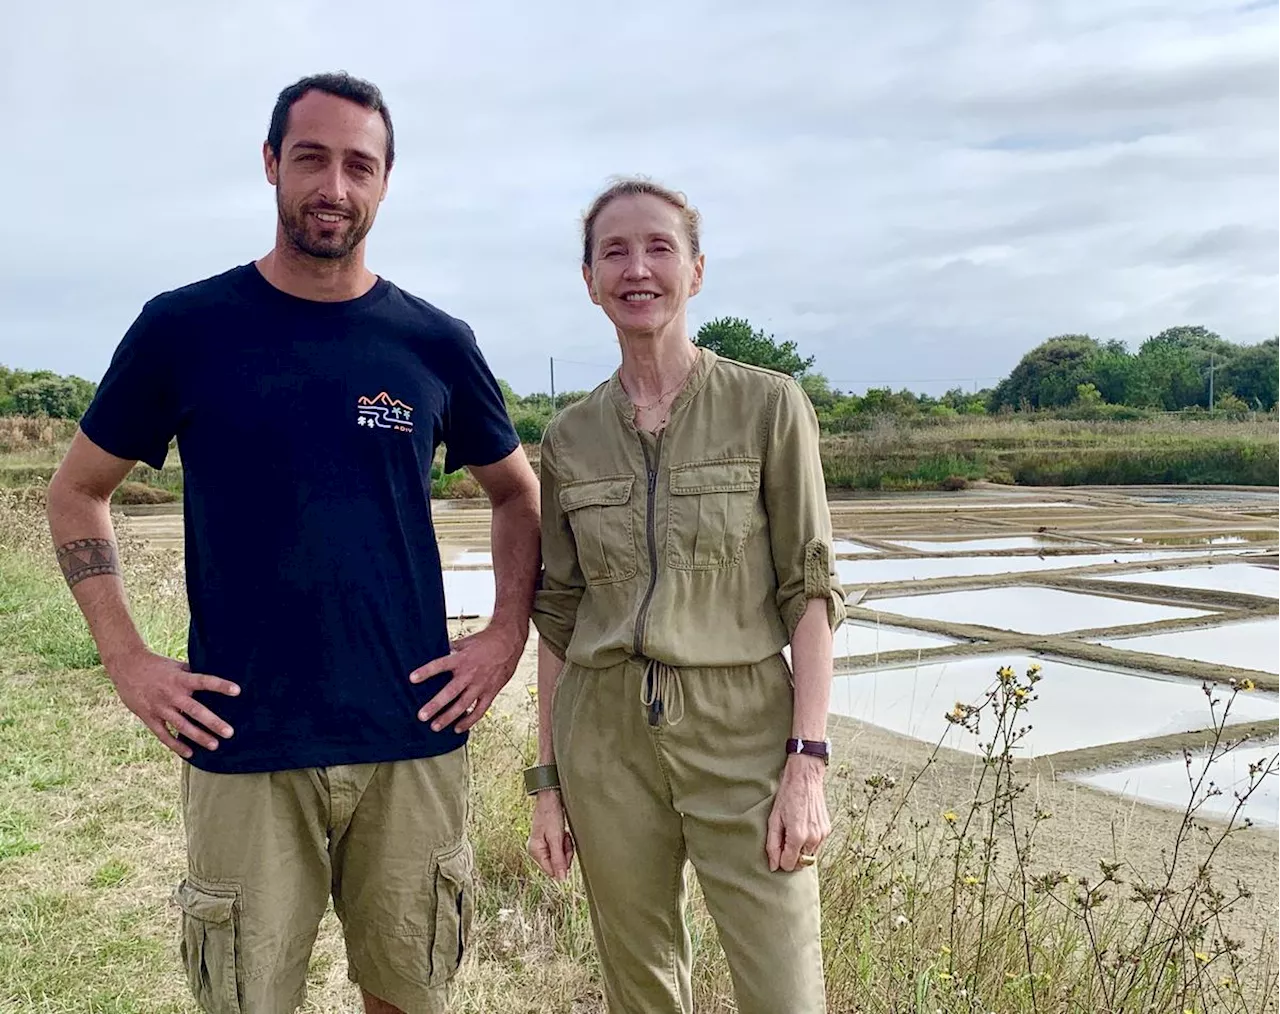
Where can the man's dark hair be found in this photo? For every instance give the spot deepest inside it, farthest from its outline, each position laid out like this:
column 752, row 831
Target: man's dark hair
column 342, row 85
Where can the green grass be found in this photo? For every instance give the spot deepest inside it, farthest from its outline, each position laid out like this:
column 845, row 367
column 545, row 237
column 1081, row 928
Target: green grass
column 82, row 927
column 110, row 874
column 42, row 617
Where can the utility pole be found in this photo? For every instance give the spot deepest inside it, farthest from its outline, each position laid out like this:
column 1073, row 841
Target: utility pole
column 553, row 382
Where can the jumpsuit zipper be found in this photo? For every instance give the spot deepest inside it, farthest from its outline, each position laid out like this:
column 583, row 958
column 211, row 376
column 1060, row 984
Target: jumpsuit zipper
column 651, row 469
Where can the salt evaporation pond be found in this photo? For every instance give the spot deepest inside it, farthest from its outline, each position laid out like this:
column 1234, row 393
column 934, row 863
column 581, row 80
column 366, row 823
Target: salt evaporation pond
column 1200, row 495
column 980, row 545
column 1029, row 610
column 1079, row 706
column 860, row 637
column 1005, row 503
column 1249, row 644
column 843, row 547
column 883, row 571
column 1197, row 540
column 1164, row 782
column 471, row 593
column 1249, row 579
column 468, row 592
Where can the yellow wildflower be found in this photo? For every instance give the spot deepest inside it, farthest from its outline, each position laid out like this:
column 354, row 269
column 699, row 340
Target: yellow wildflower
column 944, row 976
column 950, row 817
column 1035, row 668
column 1005, row 674
column 1248, row 685
column 1202, row 957
column 946, row 949
column 533, row 692
column 1020, row 693
column 971, row 880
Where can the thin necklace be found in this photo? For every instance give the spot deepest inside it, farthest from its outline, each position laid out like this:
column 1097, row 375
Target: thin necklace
column 663, row 396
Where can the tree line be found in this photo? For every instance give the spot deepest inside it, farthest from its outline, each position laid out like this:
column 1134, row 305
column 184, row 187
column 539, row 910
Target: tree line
column 1180, row 369
column 1186, row 368
column 43, row 393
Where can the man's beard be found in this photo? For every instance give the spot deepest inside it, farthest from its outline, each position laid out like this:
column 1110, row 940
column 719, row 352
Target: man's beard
column 333, row 248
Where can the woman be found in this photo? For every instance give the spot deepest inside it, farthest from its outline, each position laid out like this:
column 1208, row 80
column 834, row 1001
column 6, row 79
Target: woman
column 686, row 542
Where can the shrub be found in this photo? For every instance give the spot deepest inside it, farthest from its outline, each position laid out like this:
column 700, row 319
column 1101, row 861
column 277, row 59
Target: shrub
column 529, row 425
column 129, row 492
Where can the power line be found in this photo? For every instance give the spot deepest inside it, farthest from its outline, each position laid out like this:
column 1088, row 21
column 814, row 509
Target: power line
column 575, row 362
column 928, row 380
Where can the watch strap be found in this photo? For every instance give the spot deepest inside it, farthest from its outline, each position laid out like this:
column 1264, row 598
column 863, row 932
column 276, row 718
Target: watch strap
column 811, row 747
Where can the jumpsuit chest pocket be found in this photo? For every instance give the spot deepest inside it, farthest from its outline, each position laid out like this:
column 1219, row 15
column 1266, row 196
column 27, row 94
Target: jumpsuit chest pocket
column 710, row 510
column 599, row 512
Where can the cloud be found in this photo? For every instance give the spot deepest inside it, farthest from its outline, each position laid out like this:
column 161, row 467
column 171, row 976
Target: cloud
column 915, row 193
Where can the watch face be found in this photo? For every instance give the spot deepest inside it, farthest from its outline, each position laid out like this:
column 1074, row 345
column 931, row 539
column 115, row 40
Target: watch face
column 811, row 747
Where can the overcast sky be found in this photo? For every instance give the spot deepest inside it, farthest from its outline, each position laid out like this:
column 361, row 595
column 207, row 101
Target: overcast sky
column 916, row 192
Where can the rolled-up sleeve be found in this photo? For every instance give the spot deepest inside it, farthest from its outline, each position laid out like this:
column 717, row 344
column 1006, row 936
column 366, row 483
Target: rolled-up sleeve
column 561, row 584
column 795, row 495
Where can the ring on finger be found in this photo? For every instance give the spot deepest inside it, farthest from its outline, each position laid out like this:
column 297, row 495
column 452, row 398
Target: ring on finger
column 808, row 858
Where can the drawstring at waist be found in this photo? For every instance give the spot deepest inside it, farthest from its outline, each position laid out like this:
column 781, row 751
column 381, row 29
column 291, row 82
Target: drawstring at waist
column 662, row 692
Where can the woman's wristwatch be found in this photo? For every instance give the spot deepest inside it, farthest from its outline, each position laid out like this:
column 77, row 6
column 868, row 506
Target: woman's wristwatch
column 812, row 747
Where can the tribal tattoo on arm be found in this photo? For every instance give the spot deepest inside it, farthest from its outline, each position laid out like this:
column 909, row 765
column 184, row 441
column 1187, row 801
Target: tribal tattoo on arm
column 87, row 558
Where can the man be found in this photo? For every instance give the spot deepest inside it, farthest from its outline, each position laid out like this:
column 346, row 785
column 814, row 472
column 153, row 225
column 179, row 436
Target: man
column 322, row 713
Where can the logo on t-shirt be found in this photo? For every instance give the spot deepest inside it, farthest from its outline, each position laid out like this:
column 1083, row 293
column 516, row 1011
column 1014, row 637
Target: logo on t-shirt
column 384, row 413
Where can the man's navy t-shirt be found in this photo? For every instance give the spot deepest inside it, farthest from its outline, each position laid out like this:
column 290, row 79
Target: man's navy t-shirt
column 306, row 431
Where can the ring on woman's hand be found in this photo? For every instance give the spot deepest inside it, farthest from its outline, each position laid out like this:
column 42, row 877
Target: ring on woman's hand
column 807, row 860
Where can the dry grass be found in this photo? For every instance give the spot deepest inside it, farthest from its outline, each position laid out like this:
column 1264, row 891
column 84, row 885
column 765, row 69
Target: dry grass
column 954, row 912
column 1035, row 451
column 888, row 452
column 19, row 434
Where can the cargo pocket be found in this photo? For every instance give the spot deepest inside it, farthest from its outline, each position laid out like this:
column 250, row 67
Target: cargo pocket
column 710, row 511
column 209, row 944
column 455, row 909
column 599, row 512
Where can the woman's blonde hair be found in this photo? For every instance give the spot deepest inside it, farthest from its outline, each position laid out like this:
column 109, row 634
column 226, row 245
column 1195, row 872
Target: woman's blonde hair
column 635, row 186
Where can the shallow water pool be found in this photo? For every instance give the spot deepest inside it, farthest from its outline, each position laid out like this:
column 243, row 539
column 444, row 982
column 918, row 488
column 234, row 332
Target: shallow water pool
column 1165, row 782
column 1250, row 644
column 1249, row 579
column 1079, row 706
column 981, row 545
column 855, row 573
column 1029, row 610
column 468, row 592
column 843, row 547
column 861, row 637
